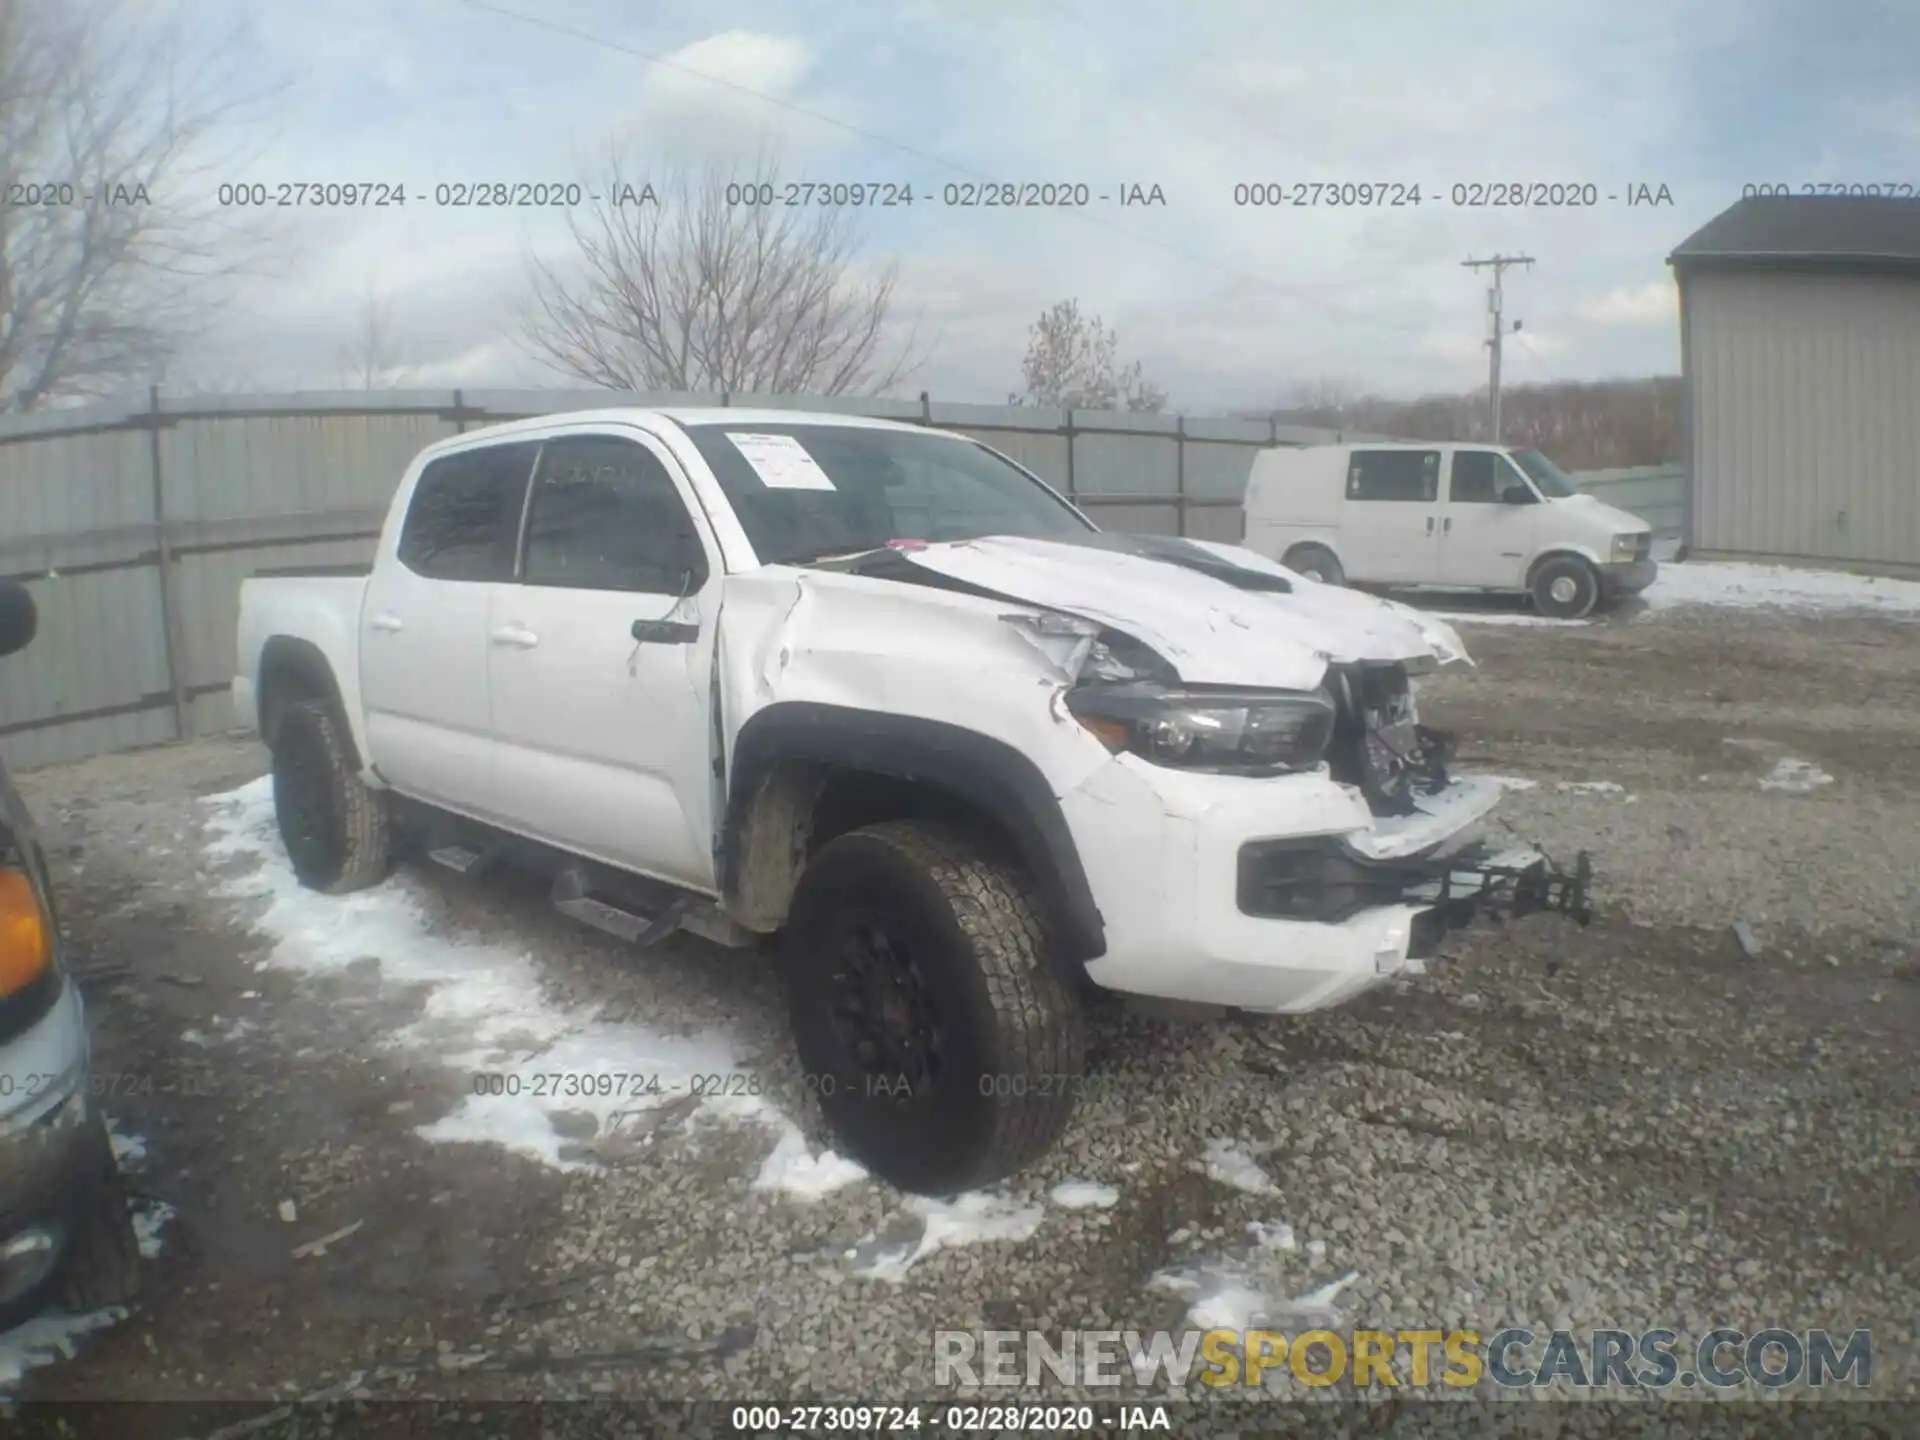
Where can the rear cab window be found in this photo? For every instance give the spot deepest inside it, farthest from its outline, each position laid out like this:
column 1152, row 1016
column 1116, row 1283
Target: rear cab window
column 464, row 515
column 1403, row 475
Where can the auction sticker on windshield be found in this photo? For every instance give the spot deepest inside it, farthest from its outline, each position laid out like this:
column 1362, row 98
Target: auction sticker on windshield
column 781, row 462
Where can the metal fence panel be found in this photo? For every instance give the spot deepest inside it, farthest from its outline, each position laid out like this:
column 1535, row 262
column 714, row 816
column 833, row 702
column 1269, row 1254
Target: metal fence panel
column 268, row 481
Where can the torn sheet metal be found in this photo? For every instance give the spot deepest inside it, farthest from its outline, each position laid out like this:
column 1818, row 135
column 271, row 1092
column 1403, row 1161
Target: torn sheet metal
column 1211, row 632
column 837, row 639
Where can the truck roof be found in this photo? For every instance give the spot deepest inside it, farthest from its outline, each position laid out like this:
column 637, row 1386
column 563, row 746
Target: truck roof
column 683, row 416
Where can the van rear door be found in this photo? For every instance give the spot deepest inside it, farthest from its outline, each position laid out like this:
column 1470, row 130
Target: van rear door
column 1389, row 526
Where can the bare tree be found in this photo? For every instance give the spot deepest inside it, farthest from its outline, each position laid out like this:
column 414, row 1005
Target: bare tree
column 374, row 359
column 1073, row 362
column 682, row 283
column 112, row 241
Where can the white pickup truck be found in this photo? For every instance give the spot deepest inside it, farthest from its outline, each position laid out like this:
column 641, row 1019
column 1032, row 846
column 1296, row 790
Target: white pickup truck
column 877, row 690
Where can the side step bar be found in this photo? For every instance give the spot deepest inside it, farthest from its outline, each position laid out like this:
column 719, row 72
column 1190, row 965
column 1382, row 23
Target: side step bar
column 616, row 905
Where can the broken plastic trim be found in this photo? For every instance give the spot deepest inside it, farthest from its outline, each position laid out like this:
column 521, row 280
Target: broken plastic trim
column 1317, row 880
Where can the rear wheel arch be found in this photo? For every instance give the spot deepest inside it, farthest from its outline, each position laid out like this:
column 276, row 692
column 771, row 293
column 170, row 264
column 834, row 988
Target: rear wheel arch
column 803, row 774
column 293, row 670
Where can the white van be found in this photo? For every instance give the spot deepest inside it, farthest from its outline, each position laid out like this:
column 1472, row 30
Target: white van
column 1500, row 519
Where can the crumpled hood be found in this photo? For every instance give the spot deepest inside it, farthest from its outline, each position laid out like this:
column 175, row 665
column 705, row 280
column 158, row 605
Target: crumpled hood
column 1207, row 626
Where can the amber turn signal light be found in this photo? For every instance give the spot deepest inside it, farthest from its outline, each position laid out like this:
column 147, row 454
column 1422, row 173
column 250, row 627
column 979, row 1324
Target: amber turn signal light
column 26, row 946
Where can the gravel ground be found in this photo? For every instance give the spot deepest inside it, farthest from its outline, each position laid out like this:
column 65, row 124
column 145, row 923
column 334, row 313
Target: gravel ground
column 1633, row 1126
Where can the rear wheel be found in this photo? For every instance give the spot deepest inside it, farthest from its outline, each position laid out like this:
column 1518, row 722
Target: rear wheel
column 1316, row 562
column 337, row 830
column 945, row 1051
column 1565, row 587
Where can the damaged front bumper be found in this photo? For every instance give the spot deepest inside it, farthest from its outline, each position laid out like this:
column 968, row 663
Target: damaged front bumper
column 1323, row 881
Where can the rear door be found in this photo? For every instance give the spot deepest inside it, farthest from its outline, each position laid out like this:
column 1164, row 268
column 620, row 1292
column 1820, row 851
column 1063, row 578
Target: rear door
column 605, row 740
column 1389, row 526
column 1483, row 540
column 423, row 627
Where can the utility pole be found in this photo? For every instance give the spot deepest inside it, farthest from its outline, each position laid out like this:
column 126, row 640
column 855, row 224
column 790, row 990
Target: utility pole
column 1494, row 300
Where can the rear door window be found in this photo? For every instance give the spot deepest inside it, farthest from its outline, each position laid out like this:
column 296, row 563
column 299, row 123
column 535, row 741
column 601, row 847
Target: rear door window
column 464, row 515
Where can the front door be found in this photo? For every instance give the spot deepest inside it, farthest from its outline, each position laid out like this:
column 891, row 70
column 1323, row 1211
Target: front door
column 423, row 627
column 604, row 731
column 1389, row 524
column 1484, row 541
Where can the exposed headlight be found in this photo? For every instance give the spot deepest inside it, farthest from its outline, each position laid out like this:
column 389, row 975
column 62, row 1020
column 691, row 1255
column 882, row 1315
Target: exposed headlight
column 1238, row 731
column 1626, row 547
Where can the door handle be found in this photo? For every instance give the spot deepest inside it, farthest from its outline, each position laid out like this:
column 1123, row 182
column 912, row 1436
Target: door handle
column 1429, row 524
column 664, row 632
column 391, row 624
column 517, row 636
column 1446, row 526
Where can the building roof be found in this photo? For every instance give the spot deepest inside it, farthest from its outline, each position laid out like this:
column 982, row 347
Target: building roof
column 1808, row 232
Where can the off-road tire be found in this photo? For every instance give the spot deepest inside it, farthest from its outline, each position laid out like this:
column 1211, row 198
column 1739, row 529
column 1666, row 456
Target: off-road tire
column 338, row 832
column 1316, row 562
column 102, row 1263
column 1577, row 582
column 1011, row 1035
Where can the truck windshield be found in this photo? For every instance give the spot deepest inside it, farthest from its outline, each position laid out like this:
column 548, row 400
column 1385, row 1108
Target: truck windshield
column 807, row 491
column 1551, row 480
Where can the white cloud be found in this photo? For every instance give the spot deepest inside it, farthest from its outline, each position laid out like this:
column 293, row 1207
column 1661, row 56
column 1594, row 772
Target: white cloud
column 1654, row 303
column 1226, row 305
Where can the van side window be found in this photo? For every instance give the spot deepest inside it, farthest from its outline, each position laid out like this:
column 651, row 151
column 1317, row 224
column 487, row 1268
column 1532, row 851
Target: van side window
column 1394, row 475
column 1478, row 477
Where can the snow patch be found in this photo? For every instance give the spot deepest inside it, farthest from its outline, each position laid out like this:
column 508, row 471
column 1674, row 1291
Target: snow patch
column 967, row 1219
column 46, row 1339
column 1741, row 586
column 148, row 1221
column 1508, row 782
column 129, row 1151
column 1277, row 1236
column 1796, row 777
column 1591, row 787
column 484, row 1015
column 1229, row 1164
column 1502, row 617
column 792, row 1168
column 1084, row 1195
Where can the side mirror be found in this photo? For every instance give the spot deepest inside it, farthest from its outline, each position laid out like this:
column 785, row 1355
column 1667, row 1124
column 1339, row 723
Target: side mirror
column 19, row 617
column 1516, row 495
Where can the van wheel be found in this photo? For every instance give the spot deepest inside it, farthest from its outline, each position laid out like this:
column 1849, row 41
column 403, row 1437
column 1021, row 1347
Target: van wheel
column 1565, row 588
column 1316, row 562
column 337, row 831
column 945, row 1050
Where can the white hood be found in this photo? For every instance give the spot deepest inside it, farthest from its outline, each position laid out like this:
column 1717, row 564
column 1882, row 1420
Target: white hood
column 1211, row 632
column 1620, row 520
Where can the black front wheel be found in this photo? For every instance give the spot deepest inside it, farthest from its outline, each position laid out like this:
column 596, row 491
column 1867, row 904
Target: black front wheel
column 945, row 1050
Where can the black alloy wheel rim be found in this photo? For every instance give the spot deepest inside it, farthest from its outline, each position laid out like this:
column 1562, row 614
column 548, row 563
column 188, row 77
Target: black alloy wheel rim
column 882, row 1010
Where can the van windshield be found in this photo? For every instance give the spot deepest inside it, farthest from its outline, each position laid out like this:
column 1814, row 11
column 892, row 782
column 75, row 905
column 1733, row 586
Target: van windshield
column 805, row 492
column 1549, row 478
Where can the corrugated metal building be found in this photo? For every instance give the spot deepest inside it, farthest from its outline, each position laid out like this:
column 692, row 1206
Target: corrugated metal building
column 1800, row 341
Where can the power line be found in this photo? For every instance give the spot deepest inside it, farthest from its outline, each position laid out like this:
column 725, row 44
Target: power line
column 931, row 158
column 1494, row 302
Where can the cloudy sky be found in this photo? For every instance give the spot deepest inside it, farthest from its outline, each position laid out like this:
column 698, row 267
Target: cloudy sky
column 1228, row 306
